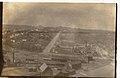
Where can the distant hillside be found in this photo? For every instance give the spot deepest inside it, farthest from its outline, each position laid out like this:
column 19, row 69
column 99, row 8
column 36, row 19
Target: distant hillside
column 19, row 27
column 8, row 27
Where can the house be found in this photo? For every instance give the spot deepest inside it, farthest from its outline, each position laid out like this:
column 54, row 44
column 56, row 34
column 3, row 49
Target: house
column 47, row 72
column 40, row 70
column 76, row 65
column 63, row 73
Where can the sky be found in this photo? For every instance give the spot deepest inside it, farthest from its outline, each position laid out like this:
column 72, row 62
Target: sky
column 77, row 15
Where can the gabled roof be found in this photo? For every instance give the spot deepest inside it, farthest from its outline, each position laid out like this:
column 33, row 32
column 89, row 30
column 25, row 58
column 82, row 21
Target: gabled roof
column 43, row 67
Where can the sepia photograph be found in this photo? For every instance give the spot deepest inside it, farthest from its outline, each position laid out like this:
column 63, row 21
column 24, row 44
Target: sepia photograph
column 59, row 39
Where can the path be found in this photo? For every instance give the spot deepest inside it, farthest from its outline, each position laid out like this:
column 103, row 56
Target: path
column 51, row 44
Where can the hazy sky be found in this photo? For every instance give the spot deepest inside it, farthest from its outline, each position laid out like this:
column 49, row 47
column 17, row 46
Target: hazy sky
column 84, row 16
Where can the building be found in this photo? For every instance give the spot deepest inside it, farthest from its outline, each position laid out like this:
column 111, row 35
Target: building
column 40, row 70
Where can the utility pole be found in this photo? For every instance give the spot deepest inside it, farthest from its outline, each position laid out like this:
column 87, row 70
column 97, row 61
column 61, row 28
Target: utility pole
column 13, row 56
